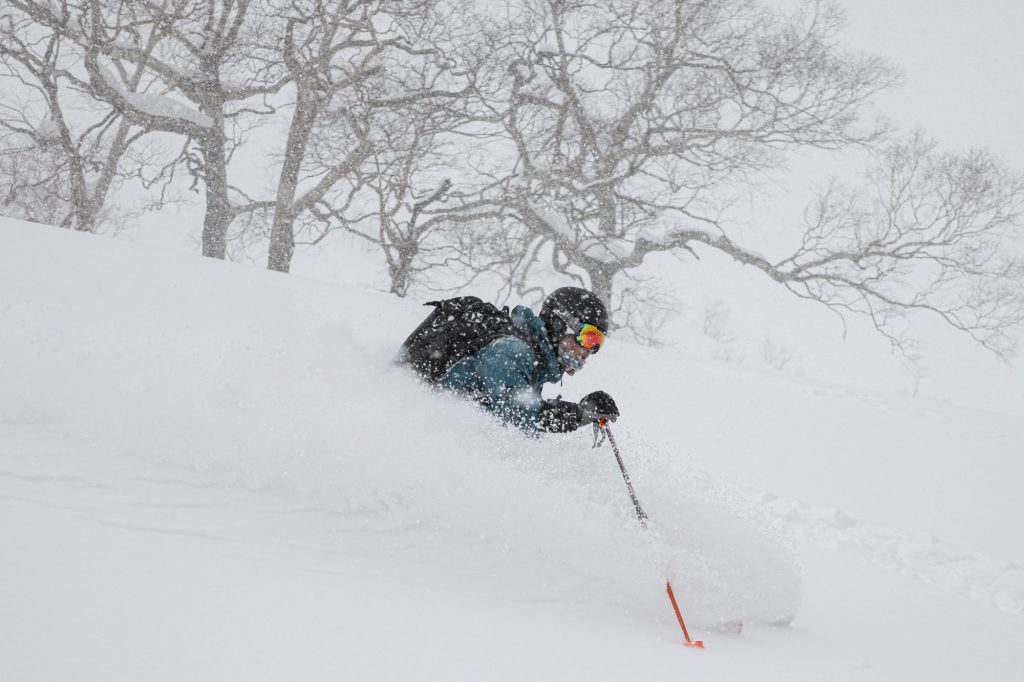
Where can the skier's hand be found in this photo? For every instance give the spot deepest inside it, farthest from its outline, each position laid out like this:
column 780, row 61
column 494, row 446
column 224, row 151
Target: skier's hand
column 597, row 406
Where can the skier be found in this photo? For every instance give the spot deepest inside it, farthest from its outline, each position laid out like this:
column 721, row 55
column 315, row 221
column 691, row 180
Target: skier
column 502, row 360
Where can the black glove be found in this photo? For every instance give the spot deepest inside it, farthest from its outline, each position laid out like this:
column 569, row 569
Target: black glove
column 559, row 416
column 597, row 406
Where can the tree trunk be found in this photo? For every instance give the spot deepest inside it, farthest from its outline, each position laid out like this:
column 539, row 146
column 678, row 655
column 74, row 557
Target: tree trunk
column 282, row 240
column 401, row 271
column 601, row 283
column 85, row 216
column 399, row 284
column 218, row 206
column 282, row 232
column 602, row 275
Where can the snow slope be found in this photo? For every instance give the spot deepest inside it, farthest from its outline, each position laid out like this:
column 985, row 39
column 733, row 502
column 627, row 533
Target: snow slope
column 209, row 471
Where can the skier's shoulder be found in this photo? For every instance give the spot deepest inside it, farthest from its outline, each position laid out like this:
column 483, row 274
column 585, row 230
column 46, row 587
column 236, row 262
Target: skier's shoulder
column 508, row 348
column 522, row 336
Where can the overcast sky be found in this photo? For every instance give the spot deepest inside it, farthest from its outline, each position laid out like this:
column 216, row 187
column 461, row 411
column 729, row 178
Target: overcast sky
column 963, row 65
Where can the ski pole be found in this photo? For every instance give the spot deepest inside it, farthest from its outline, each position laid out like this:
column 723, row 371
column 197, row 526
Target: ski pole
column 640, row 513
column 642, row 516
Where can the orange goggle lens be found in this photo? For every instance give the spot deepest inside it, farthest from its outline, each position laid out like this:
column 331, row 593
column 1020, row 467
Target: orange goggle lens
column 590, row 337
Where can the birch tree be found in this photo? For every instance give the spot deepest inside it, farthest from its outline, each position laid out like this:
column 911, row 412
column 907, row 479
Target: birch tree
column 412, row 121
column 927, row 231
column 329, row 48
column 61, row 154
column 631, row 119
column 200, row 69
column 636, row 123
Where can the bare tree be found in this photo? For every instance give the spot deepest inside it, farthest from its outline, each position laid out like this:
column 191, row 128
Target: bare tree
column 624, row 128
column 630, row 119
column 636, row 124
column 344, row 74
column 352, row 68
column 405, row 203
column 61, row 154
column 202, row 70
column 329, row 47
column 931, row 231
column 412, row 117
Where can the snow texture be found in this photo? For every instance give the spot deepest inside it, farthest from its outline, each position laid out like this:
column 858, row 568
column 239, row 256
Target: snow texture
column 208, row 471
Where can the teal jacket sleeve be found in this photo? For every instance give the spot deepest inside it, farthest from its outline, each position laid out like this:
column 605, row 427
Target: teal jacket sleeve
column 500, row 378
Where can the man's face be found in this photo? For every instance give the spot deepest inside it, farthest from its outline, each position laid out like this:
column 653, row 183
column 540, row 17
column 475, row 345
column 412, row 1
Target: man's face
column 576, row 353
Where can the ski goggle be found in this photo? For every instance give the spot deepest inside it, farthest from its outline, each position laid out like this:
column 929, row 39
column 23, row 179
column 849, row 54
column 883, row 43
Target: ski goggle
column 590, row 337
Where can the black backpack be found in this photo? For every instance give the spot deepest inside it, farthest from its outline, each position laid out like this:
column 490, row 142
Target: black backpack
column 455, row 329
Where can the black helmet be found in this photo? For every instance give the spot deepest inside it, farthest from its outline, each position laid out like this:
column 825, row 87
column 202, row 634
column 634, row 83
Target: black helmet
column 569, row 308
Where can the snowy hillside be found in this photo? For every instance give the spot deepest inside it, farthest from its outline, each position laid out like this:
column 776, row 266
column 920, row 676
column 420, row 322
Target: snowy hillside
column 212, row 472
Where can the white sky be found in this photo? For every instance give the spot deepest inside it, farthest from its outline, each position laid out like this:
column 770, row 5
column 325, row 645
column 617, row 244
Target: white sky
column 962, row 62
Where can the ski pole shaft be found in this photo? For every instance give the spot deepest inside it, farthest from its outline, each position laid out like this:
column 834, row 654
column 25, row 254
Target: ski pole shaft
column 642, row 516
